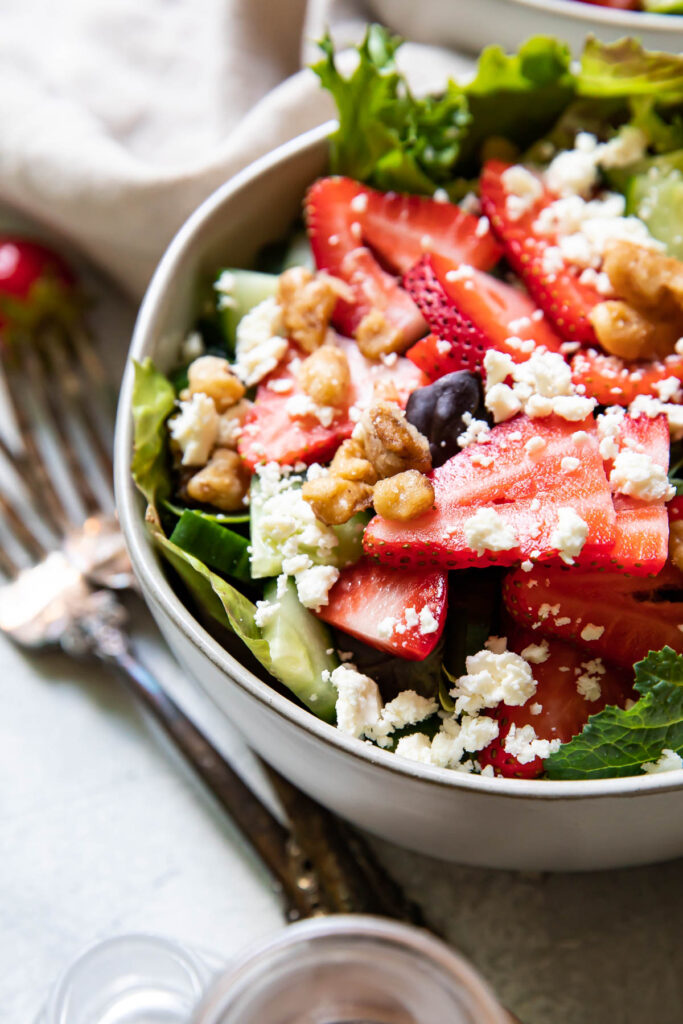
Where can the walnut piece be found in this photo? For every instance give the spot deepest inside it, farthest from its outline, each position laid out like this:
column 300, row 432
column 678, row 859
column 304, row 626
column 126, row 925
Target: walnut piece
column 325, row 376
column 223, row 482
column 377, row 337
column 334, row 500
column 404, row 496
column 350, row 463
column 212, row 376
column 391, row 443
column 623, row 331
column 230, row 424
column 649, row 281
column 307, row 302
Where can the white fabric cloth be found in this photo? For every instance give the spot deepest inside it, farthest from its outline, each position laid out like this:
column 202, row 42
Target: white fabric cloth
column 120, row 116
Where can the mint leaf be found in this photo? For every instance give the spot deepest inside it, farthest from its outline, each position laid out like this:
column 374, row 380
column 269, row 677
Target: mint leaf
column 615, row 743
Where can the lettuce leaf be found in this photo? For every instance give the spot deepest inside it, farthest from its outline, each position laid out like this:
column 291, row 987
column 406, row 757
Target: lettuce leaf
column 615, row 743
column 624, row 68
column 152, row 403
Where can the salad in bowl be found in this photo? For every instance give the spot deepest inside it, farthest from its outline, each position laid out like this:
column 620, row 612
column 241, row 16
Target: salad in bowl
column 422, row 461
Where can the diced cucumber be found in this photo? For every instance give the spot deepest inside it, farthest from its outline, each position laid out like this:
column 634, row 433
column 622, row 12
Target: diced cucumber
column 658, row 201
column 266, row 551
column 238, row 291
column 299, row 253
column 216, row 546
column 299, row 647
column 663, row 6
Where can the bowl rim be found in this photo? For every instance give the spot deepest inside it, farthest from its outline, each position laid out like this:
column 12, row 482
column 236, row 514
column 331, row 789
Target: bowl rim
column 159, row 592
column 633, row 21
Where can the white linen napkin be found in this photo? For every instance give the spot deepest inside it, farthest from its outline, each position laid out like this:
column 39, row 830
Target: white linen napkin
column 119, row 117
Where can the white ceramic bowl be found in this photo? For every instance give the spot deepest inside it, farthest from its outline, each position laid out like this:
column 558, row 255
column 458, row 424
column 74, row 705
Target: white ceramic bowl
column 469, row 25
column 505, row 823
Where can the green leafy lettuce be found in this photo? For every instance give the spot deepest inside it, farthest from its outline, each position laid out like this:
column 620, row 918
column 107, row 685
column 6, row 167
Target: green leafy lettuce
column 153, row 401
column 626, row 69
column 616, row 742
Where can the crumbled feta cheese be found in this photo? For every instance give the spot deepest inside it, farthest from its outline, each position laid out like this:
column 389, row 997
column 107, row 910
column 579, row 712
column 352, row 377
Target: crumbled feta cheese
column 591, row 632
column 569, row 464
column 192, row 348
column 260, row 344
column 300, row 406
column 536, row 653
column 523, row 189
column 502, row 402
column 359, row 704
column 669, row 761
column 461, row 273
column 542, row 385
column 569, row 535
column 313, row 585
column 668, row 389
column 480, row 459
column 359, row 203
column 476, row 431
column 487, row 531
column 627, row 146
column 195, row 428
column 636, row 474
column 535, row 445
column 440, row 195
column 492, row 679
column 580, row 438
column 498, row 366
column 483, row 227
column 588, row 682
column 450, row 743
column 526, row 565
column 496, row 644
column 265, row 612
column 574, row 171
column 469, row 203
column 280, row 385
column 524, row 744
column 535, row 709
column 408, row 708
column 386, row 627
column 428, row 624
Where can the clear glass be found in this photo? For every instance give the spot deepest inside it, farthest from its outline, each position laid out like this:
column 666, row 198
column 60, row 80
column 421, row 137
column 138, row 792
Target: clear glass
column 131, row 979
column 351, row 970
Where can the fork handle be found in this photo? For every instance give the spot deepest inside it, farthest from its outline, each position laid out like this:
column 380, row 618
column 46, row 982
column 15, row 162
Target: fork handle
column 263, row 831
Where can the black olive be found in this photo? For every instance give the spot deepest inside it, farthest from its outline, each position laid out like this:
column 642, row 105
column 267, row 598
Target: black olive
column 437, row 411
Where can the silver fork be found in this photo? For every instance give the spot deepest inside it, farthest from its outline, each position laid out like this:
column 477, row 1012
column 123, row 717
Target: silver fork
column 63, row 558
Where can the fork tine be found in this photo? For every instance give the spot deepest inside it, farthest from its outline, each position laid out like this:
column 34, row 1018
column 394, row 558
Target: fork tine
column 82, row 376
column 8, row 567
column 33, row 371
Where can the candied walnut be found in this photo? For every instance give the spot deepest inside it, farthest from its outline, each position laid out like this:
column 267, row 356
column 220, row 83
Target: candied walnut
column 334, row 500
column 325, row 376
column 404, row 496
column 377, row 337
column 649, row 281
column 307, row 302
column 350, row 463
column 212, row 376
column 223, row 482
column 676, row 543
column 391, row 443
column 623, row 331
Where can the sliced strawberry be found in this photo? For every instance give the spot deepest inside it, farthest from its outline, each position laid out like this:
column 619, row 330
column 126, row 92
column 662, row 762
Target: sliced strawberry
column 435, row 356
column 559, row 292
column 642, row 539
column 564, row 708
column 336, row 235
column 472, row 311
column 402, row 228
column 615, row 382
column 611, row 615
column 675, row 509
column 525, row 489
column 272, row 433
column 403, row 613
column 34, row 282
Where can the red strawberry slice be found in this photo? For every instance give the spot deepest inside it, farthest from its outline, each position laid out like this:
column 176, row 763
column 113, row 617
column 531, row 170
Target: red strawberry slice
column 611, row 615
column 472, row 311
column 523, row 490
column 336, row 236
column 34, row 282
column 559, row 293
column 564, row 681
column 402, row 228
column 675, row 509
column 272, row 433
column 614, row 382
column 435, row 356
column 642, row 541
column 400, row 612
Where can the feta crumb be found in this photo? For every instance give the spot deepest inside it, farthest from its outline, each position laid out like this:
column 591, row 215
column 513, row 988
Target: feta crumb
column 300, row 406
column 668, row 389
column 523, row 190
column 408, row 708
column 265, row 612
column 536, row 653
column 574, row 172
column 428, row 624
column 195, row 428
column 627, row 146
column 502, row 402
column 492, row 679
column 526, row 565
column 535, row 709
column 476, row 431
column 359, row 203
column 280, row 385
column 359, row 704
column 386, row 627
column 260, row 344
column 483, row 227
column 314, row 583
column 669, row 761
column 591, row 632
column 636, row 474
column 569, row 535
column 461, row 273
column 569, row 464
column 524, row 744
column 192, row 348
column 487, row 531
column 440, row 195
column 535, row 445
column 496, row 644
